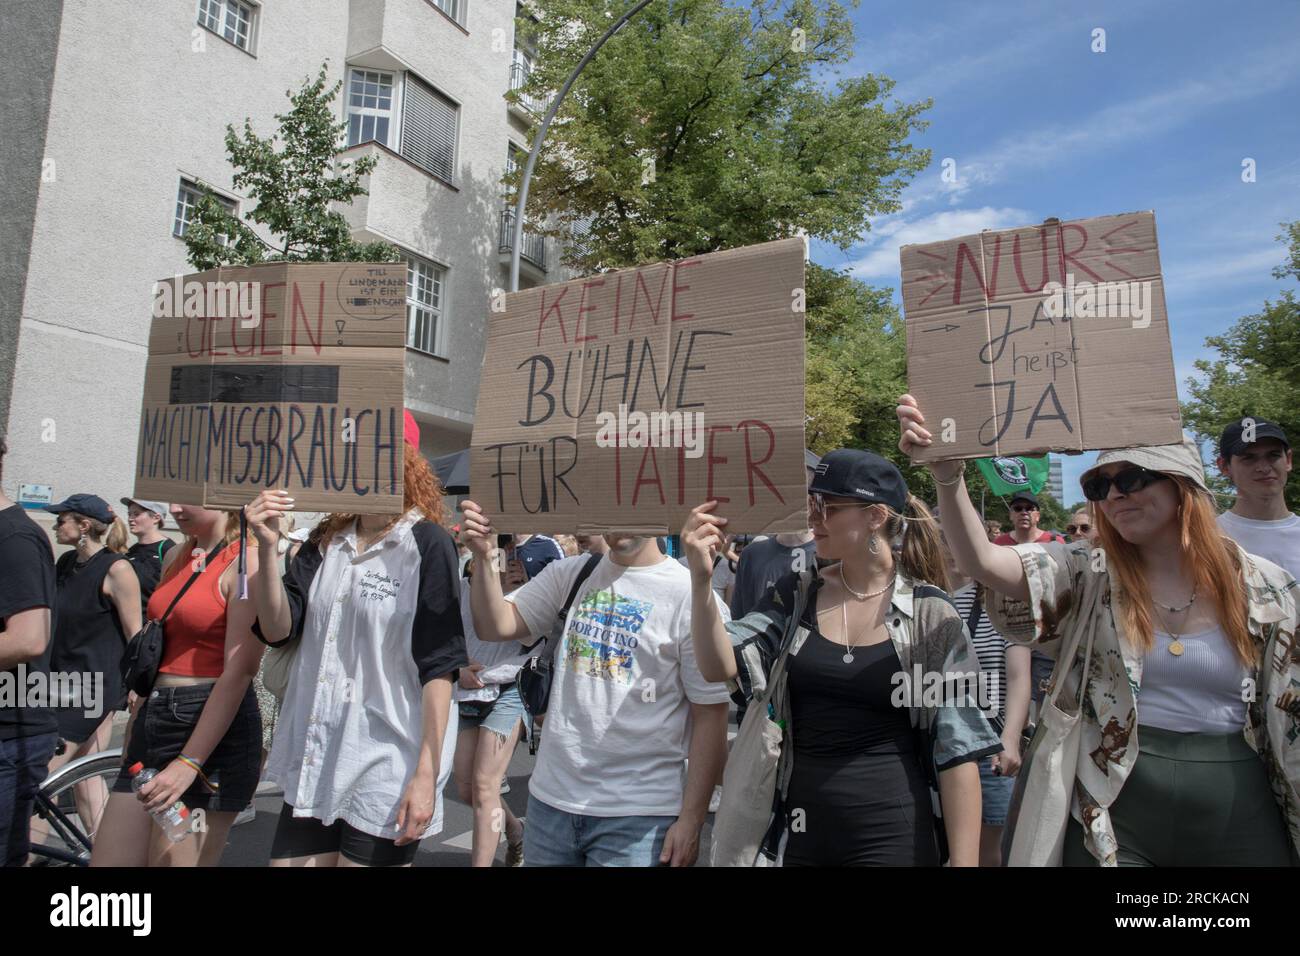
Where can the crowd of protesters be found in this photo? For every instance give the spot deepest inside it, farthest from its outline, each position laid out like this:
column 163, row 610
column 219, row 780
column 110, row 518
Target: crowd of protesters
column 358, row 666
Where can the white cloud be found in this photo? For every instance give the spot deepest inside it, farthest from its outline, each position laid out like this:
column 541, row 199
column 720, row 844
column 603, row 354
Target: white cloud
column 881, row 260
column 1254, row 265
column 1138, row 120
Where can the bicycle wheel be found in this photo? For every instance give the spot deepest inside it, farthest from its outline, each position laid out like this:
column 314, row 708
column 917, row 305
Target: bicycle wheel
column 61, row 835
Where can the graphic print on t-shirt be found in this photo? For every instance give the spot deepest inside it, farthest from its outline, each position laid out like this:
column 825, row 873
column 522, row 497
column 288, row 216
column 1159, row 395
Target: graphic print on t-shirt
column 603, row 636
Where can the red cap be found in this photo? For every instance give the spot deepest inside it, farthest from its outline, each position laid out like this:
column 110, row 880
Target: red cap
column 410, row 430
column 135, row 768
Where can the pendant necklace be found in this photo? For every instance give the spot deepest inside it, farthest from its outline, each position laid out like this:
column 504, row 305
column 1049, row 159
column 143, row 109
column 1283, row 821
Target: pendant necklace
column 1176, row 645
column 844, row 610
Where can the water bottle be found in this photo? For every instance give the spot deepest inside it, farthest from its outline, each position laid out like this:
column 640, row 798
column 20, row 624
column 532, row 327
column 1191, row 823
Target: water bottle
column 174, row 820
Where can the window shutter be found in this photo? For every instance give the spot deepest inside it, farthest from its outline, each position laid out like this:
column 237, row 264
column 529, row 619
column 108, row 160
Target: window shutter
column 429, row 129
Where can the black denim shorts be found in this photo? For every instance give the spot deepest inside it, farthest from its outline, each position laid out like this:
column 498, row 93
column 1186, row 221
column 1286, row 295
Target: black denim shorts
column 163, row 725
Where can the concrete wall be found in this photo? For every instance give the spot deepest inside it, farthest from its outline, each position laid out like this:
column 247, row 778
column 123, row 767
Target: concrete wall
column 29, row 38
column 138, row 101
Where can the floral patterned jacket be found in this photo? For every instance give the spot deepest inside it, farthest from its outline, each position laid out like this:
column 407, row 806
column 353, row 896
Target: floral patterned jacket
column 1069, row 589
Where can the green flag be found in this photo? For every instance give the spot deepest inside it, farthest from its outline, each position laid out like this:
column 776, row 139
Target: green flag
column 1006, row 476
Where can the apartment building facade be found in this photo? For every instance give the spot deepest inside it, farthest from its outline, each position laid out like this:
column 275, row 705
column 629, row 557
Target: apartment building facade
column 128, row 107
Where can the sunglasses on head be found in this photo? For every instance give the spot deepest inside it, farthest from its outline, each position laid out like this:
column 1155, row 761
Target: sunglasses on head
column 1078, row 528
column 1097, row 488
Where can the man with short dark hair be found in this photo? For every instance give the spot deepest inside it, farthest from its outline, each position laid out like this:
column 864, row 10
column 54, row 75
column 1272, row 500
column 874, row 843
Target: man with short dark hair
column 1024, row 522
column 28, row 732
column 1255, row 456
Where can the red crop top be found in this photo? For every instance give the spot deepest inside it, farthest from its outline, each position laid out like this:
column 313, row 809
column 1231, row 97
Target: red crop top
column 194, row 635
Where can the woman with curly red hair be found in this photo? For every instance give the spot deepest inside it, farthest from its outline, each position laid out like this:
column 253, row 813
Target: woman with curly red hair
column 364, row 743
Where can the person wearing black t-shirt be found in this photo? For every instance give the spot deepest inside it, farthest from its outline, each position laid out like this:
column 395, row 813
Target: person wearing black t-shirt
column 28, row 733
column 145, row 519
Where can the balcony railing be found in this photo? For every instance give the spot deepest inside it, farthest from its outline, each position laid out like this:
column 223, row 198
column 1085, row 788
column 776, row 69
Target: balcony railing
column 534, row 249
column 520, row 68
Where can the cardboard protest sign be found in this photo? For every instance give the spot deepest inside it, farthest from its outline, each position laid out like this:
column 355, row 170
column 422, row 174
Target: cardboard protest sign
column 621, row 401
column 280, row 375
column 1045, row 338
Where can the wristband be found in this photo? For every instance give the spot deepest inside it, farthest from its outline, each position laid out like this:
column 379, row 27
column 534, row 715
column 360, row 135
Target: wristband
column 198, row 768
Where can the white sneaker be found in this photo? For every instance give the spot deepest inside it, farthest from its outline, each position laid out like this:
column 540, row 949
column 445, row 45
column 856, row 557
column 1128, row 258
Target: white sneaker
column 715, row 801
column 246, row 815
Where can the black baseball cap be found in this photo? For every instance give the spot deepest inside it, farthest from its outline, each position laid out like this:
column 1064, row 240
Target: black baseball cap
column 1231, row 443
column 1024, row 496
column 853, row 473
column 92, row 506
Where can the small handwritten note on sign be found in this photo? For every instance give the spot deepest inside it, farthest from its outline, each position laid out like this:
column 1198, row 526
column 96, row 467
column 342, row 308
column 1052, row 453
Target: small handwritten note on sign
column 1046, row 338
column 282, row 375
column 621, row 401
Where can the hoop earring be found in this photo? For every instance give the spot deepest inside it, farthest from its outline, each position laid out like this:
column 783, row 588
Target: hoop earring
column 872, row 546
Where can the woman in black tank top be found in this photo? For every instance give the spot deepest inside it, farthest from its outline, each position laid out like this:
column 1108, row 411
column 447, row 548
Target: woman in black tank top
column 97, row 610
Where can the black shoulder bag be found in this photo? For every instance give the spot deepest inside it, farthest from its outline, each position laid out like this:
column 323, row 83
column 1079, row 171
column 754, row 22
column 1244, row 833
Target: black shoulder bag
column 536, row 673
column 143, row 654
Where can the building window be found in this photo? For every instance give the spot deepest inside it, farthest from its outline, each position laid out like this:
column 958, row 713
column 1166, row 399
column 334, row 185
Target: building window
column 429, row 129
column 230, row 20
column 370, row 106
column 187, row 201
column 453, row 8
column 426, row 286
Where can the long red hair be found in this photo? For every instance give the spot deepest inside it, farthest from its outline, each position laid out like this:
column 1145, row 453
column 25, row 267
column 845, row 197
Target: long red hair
column 420, row 489
column 1216, row 571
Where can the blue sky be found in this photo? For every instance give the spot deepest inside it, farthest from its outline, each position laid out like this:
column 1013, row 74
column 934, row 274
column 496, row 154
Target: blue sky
column 1039, row 125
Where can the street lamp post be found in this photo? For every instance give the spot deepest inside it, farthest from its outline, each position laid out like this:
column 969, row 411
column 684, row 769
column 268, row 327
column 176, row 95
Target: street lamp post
column 522, row 200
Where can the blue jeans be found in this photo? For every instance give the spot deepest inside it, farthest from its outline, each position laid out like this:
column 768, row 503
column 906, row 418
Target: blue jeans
column 995, row 791
column 557, row 838
column 23, row 764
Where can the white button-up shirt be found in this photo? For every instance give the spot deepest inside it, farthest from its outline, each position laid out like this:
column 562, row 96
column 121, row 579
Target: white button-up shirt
column 348, row 737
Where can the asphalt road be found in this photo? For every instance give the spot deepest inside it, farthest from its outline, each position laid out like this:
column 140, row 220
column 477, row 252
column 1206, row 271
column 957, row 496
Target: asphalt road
column 250, row 843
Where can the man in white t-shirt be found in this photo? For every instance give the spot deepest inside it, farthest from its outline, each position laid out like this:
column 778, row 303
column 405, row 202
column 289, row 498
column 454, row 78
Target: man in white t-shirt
column 1255, row 456
column 628, row 705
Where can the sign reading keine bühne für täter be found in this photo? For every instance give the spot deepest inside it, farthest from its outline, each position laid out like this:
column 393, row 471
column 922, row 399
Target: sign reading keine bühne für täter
column 621, row 401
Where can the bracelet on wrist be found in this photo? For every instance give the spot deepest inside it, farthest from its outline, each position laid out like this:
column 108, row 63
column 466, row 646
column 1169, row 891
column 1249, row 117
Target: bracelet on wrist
column 961, row 473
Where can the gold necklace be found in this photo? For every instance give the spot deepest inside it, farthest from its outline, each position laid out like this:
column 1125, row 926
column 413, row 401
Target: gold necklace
column 1175, row 645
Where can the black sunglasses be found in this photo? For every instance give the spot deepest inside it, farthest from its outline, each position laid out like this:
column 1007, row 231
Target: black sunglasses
column 1080, row 528
column 1097, row 488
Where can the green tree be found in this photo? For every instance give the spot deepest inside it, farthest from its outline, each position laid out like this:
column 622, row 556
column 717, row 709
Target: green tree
column 703, row 126
column 294, row 188
column 1257, row 373
column 856, row 369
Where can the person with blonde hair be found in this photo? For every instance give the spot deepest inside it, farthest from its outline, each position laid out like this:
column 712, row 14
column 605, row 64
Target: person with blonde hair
column 1182, row 663
column 97, row 612
column 199, row 726
column 828, row 652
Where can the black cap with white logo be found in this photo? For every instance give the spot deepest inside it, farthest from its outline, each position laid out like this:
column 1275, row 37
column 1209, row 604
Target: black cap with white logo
column 1233, row 440
column 853, row 473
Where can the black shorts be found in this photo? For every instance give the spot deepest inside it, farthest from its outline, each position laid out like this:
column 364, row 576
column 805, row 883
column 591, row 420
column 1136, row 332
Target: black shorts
column 307, row 836
column 163, row 726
